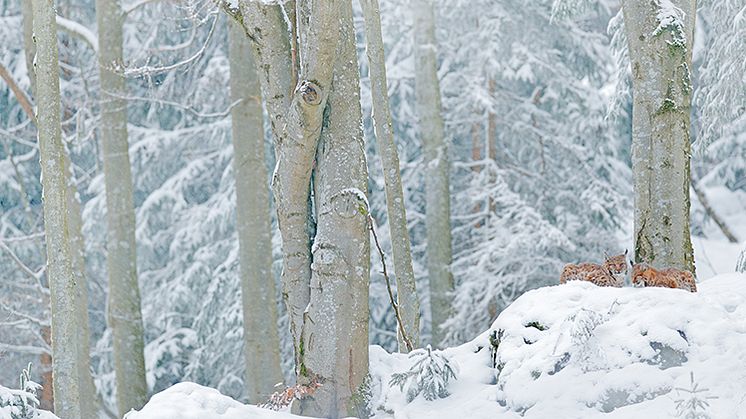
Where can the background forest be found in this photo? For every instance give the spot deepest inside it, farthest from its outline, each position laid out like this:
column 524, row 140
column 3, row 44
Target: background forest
column 537, row 112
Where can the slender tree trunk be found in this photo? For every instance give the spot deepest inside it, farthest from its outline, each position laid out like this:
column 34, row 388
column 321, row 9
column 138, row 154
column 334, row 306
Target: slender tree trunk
column 124, row 316
column 28, row 40
column 335, row 332
column 261, row 341
column 88, row 408
column 437, row 205
column 62, row 280
column 660, row 49
column 409, row 304
column 709, row 210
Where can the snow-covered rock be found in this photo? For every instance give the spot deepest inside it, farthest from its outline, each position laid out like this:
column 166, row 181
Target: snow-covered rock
column 580, row 351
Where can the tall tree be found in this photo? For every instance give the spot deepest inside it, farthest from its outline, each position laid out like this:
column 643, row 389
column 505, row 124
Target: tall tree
column 408, row 303
column 124, row 316
column 318, row 124
column 660, row 35
column 437, row 207
column 62, row 279
column 261, row 341
column 335, row 332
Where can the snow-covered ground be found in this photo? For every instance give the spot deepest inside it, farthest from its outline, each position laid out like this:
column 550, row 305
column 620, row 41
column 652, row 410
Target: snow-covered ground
column 566, row 351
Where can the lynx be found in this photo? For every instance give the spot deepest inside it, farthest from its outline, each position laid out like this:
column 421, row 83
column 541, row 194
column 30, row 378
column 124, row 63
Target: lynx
column 645, row 276
column 610, row 274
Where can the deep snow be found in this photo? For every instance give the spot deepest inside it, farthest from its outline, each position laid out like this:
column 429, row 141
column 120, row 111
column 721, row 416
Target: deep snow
column 604, row 352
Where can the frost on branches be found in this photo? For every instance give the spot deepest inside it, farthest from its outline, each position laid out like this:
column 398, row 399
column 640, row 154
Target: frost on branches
column 22, row 403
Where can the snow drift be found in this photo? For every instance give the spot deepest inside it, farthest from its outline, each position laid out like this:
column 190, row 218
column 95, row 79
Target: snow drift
column 567, row 351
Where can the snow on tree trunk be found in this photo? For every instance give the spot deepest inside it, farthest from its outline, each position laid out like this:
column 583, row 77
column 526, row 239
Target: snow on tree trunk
column 124, row 316
column 296, row 128
column 409, row 305
column 335, row 331
column 660, row 34
column 62, row 279
column 261, row 341
column 437, row 205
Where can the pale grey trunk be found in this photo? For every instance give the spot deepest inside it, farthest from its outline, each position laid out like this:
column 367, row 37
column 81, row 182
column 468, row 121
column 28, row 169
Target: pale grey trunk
column 62, row 279
column 28, row 41
column 261, row 341
column 335, row 332
column 437, row 204
column 88, row 407
column 296, row 125
column 268, row 31
column 124, row 315
column 661, row 56
column 409, row 305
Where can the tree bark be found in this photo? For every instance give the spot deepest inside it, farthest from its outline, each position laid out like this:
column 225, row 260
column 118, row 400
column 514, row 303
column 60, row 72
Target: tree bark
column 88, row 408
column 28, row 41
column 660, row 34
column 335, row 333
column 261, row 341
column 407, row 301
column 437, row 204
column 296, row 128
column 62, row 280
column 124, row 316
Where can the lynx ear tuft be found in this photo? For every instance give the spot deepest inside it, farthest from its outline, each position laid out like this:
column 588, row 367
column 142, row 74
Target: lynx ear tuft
column 626, row 251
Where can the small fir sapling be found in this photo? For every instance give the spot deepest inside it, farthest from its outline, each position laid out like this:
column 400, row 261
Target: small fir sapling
column 429, row 375
column 693, row 403
column 22, row 403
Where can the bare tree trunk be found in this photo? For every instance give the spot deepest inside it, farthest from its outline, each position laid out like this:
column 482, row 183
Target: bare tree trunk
column 660, row 49
column 88, row 408
column 28, row 41
column 409, row 304
column 296, row 124
column 335, row 332
column 438, row 224
column 261, row 341
column 62, row 280
column 125, row 317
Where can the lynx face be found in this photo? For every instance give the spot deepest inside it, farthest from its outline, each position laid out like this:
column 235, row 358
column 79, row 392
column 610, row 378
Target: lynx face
column 617, row 266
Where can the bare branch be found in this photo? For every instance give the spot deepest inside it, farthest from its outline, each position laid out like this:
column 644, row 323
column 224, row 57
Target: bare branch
column 79, row 31
column 19, row 93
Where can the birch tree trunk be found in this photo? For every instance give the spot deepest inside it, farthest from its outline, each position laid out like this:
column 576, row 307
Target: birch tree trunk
column 335, row 333
column 124, row 316
column 409, row 304
column 261, row 341
column 660, row 34
column 437, row 205
column 62, row 280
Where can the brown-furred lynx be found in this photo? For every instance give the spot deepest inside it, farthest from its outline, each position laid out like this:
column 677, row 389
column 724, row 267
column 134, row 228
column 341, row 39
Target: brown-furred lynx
column 611, row 274
column 645, row 276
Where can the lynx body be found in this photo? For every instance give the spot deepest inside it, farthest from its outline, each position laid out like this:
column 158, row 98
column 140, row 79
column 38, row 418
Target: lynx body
column 611, row 274
column 645, row 276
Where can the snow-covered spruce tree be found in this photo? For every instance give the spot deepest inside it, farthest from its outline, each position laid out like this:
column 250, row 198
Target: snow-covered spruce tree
column 660, row 34
column 124, row 313
column 438, row 213
column 62, row 278
column 540, row 175
column 407, row 299
column 253, row 224
column 318, row 120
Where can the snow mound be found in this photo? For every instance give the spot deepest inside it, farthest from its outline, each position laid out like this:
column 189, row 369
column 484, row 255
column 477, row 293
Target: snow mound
column 192, row 401
column 577, row 350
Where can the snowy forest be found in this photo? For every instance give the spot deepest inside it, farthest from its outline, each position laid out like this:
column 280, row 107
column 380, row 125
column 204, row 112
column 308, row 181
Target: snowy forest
column 224, row 209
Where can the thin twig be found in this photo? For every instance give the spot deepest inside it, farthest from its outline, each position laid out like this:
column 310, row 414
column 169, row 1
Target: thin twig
column 404, row 336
